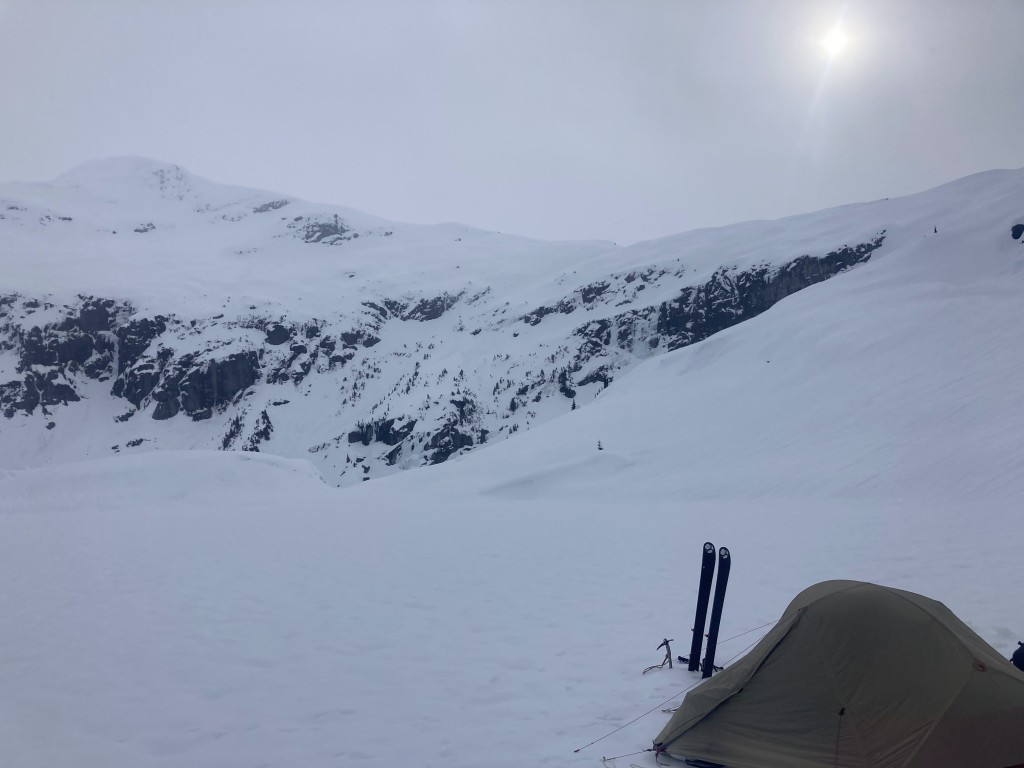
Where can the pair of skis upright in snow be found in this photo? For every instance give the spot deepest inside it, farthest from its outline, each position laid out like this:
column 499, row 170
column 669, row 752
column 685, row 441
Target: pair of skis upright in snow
column 707, row 573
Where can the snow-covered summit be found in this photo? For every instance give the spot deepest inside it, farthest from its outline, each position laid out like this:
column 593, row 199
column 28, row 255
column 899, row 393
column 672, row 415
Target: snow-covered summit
column 165, row 189
column 157, row 235
column 133, row 184
column 128, row 172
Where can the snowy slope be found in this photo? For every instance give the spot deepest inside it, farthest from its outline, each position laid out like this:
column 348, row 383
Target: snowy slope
column 167, row 240
column 229, row 609
column 143, row 308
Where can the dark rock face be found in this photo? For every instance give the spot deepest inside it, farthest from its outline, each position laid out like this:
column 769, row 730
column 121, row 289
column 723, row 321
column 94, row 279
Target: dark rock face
column 273, row 205
column 590, row 292
column 564, row 307
column 85, row 342
column 138, row 375
column 382, row 313
column 363, row 433
column 75, row 348
column 49, row 356
column 63, row 345
column 278, row 334
column 445, row 442
column 167, row 406
column 466, row 408
column 395, row 307
column 433, row 308
column 393, row 455
column 37, row 348
column 96, row 315
column 296, row 366
column 35, row 390
column 327, row 345
column 197, row 388
column 595, row 336
column 135, row 384
column 729, row 298
column 361, row 336
column 329, row 232
column 456, row 432
column 167, row 366
column 134, row 338
column 600, row 374
column 382, row 430
column 11, row 398
column 390, row 434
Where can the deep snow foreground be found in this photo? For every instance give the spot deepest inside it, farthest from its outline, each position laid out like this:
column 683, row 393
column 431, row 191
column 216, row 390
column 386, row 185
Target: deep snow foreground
column 211, row 609
column 286, row 628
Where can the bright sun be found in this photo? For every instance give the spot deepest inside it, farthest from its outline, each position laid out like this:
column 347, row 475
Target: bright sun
column 835, row 42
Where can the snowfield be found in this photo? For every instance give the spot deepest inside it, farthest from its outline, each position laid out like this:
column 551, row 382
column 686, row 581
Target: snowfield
column 223, row 609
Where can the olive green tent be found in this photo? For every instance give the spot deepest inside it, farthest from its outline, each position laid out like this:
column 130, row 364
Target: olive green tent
column 856, row 674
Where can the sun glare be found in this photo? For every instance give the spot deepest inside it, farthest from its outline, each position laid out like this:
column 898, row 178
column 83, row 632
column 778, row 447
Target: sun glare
column 835, row 42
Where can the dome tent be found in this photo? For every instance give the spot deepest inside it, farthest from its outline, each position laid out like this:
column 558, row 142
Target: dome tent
column 857, row 675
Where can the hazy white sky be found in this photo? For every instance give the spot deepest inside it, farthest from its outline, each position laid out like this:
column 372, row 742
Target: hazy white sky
column 552, row 118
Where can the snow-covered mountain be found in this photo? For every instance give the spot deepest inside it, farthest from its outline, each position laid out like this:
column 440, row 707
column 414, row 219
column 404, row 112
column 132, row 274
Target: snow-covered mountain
column 143, row 308
column 228, row 609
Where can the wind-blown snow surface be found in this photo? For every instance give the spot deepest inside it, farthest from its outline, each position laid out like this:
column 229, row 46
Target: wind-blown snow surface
column 212, row 609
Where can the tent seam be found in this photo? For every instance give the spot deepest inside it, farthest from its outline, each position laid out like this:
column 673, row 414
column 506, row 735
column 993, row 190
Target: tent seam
column 682, row 729
column 958, row 642
column 799, row 612
column 839, row 694
column 939, row 719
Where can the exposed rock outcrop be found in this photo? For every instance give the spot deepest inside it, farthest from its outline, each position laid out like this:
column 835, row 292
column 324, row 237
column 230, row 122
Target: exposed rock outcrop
column 431, row 308
column 198, row 387
column 446, row 441
column 278, row 334
column 408, row 408
column 134, row 338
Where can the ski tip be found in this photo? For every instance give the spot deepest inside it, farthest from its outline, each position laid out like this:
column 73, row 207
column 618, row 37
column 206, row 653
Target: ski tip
column 724, row 553
column 709, row 547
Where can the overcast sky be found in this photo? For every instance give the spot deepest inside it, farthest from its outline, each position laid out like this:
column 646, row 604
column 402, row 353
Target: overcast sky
column 580, row 119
